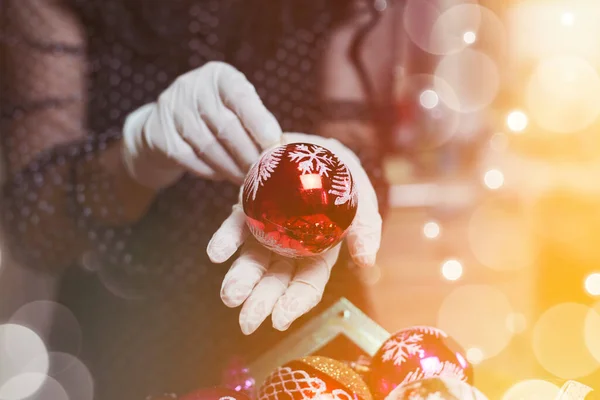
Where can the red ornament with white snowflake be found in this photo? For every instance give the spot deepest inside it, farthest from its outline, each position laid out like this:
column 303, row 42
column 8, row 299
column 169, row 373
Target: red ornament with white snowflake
column 414, row 354
column 299, row 200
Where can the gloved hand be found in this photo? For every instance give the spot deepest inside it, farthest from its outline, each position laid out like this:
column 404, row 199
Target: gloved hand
column 267, row 283
column 210, row 121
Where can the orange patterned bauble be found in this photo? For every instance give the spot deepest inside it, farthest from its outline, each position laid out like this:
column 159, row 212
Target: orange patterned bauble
column 299, row 199
column 314, row 377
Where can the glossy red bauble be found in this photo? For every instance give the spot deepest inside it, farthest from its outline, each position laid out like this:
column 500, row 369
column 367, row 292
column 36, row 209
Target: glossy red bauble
column 217, row 393
column 440, row 388
column 314, row 377
column 299, row 200
column 414, row 354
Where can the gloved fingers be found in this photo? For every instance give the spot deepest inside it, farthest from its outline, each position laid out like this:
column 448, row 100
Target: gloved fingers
column 229, row 237
column 230, row 133
column 364, row 236
column 240, row 96
column 172, row 144
column 306, row 289
column 266, row 293
column 245, row 272
column 196, row 133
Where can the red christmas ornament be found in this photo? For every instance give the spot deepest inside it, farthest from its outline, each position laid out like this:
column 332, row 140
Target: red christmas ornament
column 217, row 393
column 299, row 200
column 440, row 388
column 414, row 354
column 314, row 377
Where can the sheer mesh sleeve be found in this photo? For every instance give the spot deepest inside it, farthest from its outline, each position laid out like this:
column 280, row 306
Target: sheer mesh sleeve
column 43, row 87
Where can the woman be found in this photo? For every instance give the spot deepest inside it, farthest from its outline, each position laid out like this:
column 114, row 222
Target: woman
column 128, row 126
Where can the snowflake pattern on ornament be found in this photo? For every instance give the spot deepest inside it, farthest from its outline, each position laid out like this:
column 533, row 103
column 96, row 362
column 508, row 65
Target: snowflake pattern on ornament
column 272, row 244
column 430, row 396
column 343, row 187
column 286, row 383
column 312, row 159
column 263, row 170
column 430, row 330
column 400, row 348
column 444, row 369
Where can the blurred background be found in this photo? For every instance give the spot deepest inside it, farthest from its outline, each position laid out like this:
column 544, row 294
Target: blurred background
column 494, row 230
column 495, row 173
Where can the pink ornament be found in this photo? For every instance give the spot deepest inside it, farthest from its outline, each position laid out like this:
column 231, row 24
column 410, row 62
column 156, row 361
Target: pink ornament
column 414, row 354
column 299, row 200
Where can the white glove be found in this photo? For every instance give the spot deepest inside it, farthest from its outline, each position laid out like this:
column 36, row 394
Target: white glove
column 268, row 283
column 209, row 121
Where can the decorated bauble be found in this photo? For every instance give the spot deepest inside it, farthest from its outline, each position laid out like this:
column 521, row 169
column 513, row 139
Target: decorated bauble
column 439, row 388
column 217, row 393
column 299, row 199
column 413, row 354
column 314, row 377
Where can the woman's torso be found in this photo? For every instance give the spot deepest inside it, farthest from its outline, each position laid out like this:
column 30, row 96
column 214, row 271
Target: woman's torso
column 147, row 297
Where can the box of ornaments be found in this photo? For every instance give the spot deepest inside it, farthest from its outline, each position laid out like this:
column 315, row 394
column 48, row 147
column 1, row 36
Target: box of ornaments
column 415, row 363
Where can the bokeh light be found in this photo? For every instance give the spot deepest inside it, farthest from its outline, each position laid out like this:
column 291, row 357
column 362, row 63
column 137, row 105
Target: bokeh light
column 557, row 342
column 567, row 19
column 461, row 25
column 24, row 362
column 435, row 121
column 592, row 331
column 45, row 316
column 534, row 389
column 475, row 316
column 517, row 121
column 546, row 29
column 501, row 237
column 50, row 389
column 592, row 284
column 469, row 37
column 369, row 276
column 73, row 376
column 429, row 99
column 516, row 323
column 563, row 94
column 474, row 93
column 438, row 28
column 431, row 230
column 452, row 270
column 493, row 179
column 475, row 356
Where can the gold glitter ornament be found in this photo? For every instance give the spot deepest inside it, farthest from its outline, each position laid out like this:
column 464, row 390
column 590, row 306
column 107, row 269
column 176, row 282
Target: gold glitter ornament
column 314, row 377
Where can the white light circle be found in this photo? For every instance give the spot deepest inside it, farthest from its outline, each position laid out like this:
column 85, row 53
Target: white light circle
column 23, row 362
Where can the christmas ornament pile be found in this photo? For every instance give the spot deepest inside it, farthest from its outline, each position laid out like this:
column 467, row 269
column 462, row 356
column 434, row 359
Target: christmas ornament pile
column 417, row 363
column 299, row 200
